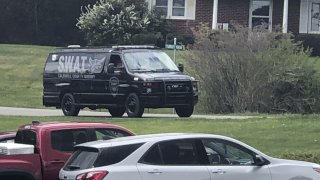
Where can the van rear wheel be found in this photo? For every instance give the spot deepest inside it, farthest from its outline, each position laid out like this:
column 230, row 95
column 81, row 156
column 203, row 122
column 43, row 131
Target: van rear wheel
column 133, row 106
column 68, row 105
column 117, row 111
column 184, row 111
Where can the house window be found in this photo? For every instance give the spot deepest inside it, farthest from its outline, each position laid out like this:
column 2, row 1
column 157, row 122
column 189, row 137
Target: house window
column 315, row 17
column 162, row 6
column 176, row 9
column 261, row 13
column 310, row 16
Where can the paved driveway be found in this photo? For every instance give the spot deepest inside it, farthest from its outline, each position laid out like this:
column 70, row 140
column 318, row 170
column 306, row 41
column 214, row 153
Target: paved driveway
column 11, row 111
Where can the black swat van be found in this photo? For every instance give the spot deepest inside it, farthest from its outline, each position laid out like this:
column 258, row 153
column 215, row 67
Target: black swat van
column 121, row 79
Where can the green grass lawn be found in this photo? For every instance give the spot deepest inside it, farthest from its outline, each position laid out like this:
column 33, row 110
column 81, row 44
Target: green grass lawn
column 21, row 70
column 273, row 135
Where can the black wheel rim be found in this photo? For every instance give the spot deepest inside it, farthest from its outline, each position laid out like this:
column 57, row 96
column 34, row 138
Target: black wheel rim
column 132, row 104
column 67, row 104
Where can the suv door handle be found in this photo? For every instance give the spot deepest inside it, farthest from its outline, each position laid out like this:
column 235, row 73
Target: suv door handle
column 155, row 171
column 219, row 171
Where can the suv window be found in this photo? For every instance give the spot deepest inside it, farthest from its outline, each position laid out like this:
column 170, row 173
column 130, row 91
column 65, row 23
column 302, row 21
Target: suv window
column 85, row 158
column 64, row 140
column 222, row 152
column 113, row 155
column 177, row 152
column 26, row 137
column 152, row 156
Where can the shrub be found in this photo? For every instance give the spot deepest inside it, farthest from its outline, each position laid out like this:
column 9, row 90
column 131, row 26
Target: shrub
column 115, row 22
column 110, row 22
column 256, row 71
column 145, row 38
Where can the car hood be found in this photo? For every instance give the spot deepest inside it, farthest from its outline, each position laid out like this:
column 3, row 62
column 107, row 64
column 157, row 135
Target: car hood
column 294, row 162
column 166, row 76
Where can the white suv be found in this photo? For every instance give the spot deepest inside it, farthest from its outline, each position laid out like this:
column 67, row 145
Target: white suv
column 180, row 157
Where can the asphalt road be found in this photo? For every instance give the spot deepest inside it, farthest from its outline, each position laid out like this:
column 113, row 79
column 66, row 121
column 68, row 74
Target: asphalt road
column 11, row 111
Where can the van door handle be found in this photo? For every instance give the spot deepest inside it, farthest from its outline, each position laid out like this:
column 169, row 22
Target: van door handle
column 155, row 171
column 219, row 171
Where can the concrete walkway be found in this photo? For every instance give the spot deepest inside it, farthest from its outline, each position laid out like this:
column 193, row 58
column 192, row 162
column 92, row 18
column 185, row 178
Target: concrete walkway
column 11, row 111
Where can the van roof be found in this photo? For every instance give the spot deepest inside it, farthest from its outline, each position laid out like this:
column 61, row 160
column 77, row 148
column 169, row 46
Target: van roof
column 104, row 48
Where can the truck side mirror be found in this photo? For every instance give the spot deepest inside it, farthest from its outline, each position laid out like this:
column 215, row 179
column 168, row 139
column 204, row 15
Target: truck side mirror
column 181, row 67
column 110, row 68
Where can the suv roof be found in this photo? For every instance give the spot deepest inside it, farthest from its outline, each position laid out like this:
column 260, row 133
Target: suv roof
column 146, row 138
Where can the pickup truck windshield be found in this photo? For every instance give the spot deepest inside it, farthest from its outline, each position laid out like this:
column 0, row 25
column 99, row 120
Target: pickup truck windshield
column 153, row 61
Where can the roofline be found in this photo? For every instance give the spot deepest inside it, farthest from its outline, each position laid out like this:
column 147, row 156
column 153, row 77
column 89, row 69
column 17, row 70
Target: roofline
column 105, row 48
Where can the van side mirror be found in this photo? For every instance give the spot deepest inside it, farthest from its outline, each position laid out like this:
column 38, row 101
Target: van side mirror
column 181, row 67
column 110, row 68
column 259, row 160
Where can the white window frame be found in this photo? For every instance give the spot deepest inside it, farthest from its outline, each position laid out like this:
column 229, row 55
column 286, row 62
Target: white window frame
column 170, row 10
column 254, row 16
column 309, row 17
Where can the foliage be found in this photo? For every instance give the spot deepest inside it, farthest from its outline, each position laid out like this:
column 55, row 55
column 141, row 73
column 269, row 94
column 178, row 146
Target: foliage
column 256, row 71
column 41, row 21
column 114, row 22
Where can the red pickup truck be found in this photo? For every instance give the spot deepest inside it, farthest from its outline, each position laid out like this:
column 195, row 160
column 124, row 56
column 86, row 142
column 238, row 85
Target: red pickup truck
column 52, row 145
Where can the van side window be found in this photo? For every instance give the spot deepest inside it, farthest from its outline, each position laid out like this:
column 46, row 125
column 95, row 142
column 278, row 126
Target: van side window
column 96, row 63
column 118, row 65
column 51, row 66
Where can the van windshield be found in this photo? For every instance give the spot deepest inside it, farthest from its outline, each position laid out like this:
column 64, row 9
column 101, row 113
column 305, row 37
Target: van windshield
column 154, row 61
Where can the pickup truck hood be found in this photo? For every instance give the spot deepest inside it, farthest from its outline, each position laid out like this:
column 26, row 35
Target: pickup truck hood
column 165, row 76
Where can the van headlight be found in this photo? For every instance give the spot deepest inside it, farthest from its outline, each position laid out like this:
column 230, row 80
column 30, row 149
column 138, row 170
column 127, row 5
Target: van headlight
column 195, row 86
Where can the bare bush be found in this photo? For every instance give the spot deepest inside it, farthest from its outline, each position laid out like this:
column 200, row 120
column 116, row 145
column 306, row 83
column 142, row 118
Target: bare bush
column 256, row 71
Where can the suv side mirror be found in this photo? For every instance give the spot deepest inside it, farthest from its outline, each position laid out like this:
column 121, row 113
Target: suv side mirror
column 110, row 68
column 259, row 160
column 181, row 67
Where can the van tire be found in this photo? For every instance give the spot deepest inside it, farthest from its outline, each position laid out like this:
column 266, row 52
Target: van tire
column 133, row 106
column 68, row 105
column 117, row 112
column 184, row 111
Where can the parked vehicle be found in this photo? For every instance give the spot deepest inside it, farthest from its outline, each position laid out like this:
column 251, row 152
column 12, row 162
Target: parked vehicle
column 41, row 149
column 7, row 137
column 121, row 79
column 180, row 157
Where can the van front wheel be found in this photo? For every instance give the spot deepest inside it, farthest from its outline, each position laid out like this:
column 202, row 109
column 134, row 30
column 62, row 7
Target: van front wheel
column 184, row 111
column 133, row 106
column 68, row 105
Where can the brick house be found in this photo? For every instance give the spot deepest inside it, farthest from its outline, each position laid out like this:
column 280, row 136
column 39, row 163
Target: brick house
column 296, row 16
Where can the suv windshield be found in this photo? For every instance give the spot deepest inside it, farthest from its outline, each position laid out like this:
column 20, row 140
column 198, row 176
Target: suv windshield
column 156, row 61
